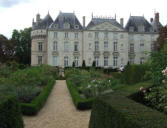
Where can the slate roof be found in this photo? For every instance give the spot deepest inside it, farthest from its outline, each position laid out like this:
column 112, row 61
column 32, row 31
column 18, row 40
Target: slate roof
column 44, row 23
column 96, row 21
column 135, row 21
column 66, row 18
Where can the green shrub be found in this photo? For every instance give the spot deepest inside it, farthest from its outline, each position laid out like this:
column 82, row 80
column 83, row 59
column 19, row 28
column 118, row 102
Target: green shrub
column 117, row 111
column 134, row 73
column 10, row 114
column 79, row 102
column 26, row 93
column 37, row 103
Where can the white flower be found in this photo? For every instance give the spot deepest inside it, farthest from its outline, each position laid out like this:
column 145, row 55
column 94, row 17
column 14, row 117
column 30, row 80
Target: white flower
column 141, row 88
column 163, row 81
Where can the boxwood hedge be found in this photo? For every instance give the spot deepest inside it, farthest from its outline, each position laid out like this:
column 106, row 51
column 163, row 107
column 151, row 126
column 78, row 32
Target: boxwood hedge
column 10, row 113
column 79, row 102
column 118, row 111
column 37, row 103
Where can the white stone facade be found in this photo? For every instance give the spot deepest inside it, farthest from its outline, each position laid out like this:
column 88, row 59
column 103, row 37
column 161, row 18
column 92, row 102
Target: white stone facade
column 107, row 44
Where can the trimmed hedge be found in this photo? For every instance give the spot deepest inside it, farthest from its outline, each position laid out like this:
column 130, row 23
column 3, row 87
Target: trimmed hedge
column 37, row 103
column 10, row 113
column 117, row 111
column 79, row 102
column 134, row 73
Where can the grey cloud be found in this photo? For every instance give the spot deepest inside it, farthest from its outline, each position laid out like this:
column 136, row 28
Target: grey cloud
column 10, row 3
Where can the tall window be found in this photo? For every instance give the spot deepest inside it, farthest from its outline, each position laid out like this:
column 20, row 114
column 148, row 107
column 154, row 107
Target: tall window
column 76, row 35
column 96, row 46
column 66, row 35
column 55, row 61
column 105, row 46
column 96, row 61
column 105, row 61
column 152, row 47
column 142, row 47
column 115, row 61
column 76, row 46
column 66, row 61
column 76, row 61
column 105, row 35
column 96, row 35
column 131, row 47
column 65, row 46
column 115, row 46
column 55, row 34
column 40, row 46
column 39, row 59
column 131, row 36
column 55, row 46
column 141, row 37
column 141, row 60
column 132, row 60
column 115, row 36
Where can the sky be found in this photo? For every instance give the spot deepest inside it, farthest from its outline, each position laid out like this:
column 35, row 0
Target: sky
column 18, row 14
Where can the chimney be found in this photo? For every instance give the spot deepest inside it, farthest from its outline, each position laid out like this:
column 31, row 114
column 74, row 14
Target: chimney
column 84, row 21
column 157, row 17
column 122, row 22
column 151, row 20
column 38, row 18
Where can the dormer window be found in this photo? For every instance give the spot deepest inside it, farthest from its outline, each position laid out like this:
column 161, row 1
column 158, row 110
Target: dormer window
column 140, row 28
column 76, row 26
column 56, row 26
column 131, row 29
column 66, row 26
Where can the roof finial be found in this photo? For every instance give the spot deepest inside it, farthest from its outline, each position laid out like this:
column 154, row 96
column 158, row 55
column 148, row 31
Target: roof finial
column 92, row 15
column 115, row 16
column 130, row 14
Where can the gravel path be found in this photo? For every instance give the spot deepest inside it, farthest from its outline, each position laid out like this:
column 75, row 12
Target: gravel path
column 59, row 111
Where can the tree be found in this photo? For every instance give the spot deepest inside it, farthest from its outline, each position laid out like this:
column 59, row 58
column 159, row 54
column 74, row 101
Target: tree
column 94, row 64
column 83, row 64
column 7, row 49
column 23, row 45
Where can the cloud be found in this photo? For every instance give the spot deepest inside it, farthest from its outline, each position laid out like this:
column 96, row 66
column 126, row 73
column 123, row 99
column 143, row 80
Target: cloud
column 10, row 3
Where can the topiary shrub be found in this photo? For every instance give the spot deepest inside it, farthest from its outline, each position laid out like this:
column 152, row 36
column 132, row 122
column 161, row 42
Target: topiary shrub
column 10, row 114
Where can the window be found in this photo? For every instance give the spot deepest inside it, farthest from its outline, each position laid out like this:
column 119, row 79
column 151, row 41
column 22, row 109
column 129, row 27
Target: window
column 39, row 59
column 96, row 46
column 96, row 61
column 115, row 46
column 40, row 46
column 66, row 35
column 152, row 47
column 131, row 37
column 131, row 60
column 96, row 35
column 66, row 61
column 131, row 29
column 105, row 46
column 66, row 25
column 131, row 47
column 66, row 46
column 105, row 61
column 89, row 46
column 55, row 61
column 55, row 46
column 115, row 36
column 55, row 34
column 76, row 35
column 105, row 35
column 76, row 61
column 115, row 61
column 76, row 46
column 141, row 37
column 142, row 47
column 141, row 60
column 76, row 27
column 140, row 28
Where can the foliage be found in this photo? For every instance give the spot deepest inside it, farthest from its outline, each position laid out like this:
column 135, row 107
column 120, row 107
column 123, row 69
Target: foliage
column 10, row 114
column 117, row 111
column 37, row 103
column 94, row 64
column 83, row 64
column 134, row 73
column 23, row 45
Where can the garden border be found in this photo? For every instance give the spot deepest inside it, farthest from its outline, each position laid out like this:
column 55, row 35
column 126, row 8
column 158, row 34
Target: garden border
column 39, row 101
column 79, row 102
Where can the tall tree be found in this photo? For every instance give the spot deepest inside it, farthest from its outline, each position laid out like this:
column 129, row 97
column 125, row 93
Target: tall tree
column 23, row 45
column 7, row 49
